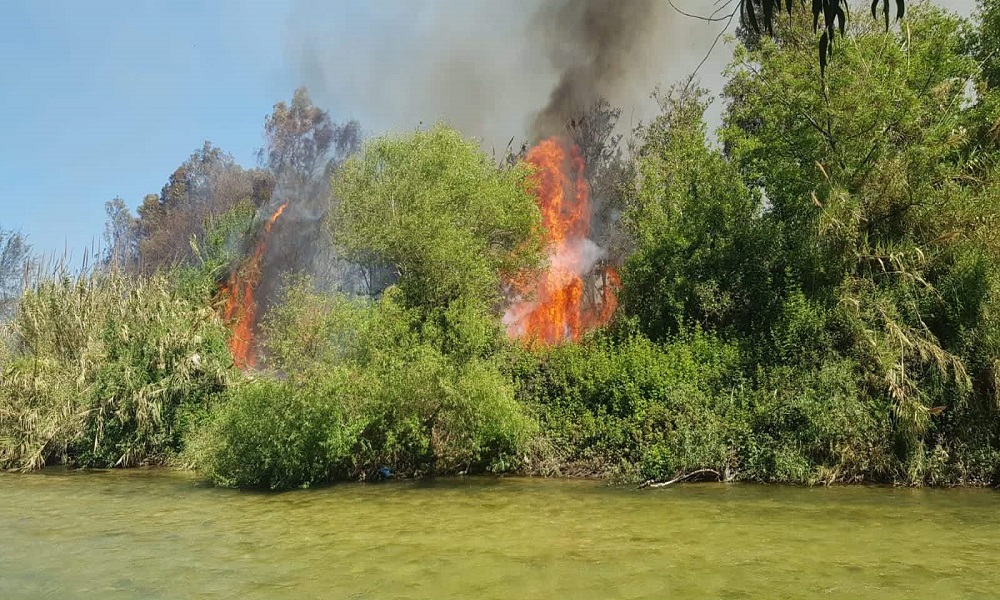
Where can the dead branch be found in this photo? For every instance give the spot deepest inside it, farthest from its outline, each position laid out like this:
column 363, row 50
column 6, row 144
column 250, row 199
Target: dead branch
column 652, row 483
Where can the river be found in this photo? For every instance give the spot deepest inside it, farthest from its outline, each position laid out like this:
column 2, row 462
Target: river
column 160, row 534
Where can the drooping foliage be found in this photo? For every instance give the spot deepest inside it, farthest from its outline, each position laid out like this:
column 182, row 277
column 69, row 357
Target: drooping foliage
column 874, row 209
column 830, row 16
column 112, row 368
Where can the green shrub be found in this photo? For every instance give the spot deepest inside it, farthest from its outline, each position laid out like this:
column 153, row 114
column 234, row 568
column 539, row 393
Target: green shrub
column 437, row 417
column 621, row 407
column 638, row 410
column 277, row 434
column 368, row 385
column 812, row 425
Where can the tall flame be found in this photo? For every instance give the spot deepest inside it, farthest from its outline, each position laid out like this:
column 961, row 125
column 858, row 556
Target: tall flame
column 549, row 308
column 241, row 308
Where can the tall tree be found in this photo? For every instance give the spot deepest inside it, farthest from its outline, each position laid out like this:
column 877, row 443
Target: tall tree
column 880, row 218
column 607, row 170
column 208, row 184
column 302, row 147
column 121, row 241
column 303, row 144
column 823, row 234
column 15, row 252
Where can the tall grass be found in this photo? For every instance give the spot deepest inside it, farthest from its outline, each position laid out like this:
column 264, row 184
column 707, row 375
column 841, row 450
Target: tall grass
column 105, row 369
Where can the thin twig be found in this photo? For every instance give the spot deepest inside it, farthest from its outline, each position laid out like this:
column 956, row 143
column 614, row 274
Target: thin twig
column 711, row 18
column 715, row 42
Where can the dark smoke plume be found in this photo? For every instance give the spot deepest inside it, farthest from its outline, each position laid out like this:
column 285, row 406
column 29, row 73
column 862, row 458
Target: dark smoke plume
column 594, row 45
column 495, row 70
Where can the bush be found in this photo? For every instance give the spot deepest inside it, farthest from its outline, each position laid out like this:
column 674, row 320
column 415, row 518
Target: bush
column 798, row 425
column 276, row 434
column 634, row 409
column 632, row 406
column 436, row 417
column 367, row 385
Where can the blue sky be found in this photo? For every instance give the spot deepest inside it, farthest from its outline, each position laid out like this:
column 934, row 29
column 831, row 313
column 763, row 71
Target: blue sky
column 104, row 99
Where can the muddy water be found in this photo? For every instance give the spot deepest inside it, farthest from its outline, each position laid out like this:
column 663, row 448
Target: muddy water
column 165, row 535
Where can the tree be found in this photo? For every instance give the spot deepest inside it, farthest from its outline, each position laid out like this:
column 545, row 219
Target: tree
column 700, row 252
column 208, row 184
column 878, row 216
column 15, row 253
column 302, row 147
column 436, row 208
column 607, row 171
column 121, row 242
column 821, row 237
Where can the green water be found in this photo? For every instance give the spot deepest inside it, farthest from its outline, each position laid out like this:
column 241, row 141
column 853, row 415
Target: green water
column 164, row 535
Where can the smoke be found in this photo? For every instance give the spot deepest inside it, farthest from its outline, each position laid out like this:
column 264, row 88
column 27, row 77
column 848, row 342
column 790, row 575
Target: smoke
column 494, row 70
column 299, row 244
column 509, row 72
column 595, row 46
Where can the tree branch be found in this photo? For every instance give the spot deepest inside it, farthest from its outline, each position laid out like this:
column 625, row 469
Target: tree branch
column 654, row 484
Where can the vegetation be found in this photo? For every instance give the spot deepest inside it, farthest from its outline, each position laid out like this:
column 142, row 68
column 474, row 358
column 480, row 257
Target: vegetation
column 811, row 297
column 15, row 253
column 107, row 370
column 367, row 385
column 434, row 207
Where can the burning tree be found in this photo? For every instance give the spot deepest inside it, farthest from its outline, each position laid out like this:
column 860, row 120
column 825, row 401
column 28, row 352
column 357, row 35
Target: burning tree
column 549, row 306
column 239, row 294
column 302, row 148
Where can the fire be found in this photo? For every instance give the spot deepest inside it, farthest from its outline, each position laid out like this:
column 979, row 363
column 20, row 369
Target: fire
column 550, row 308
column 240, row 309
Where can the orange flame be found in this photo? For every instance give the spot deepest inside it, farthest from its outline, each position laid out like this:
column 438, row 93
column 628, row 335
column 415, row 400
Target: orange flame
column 556, row 311
column 240, row 309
